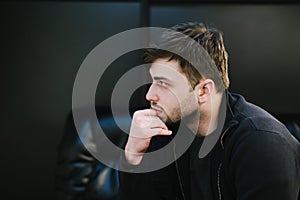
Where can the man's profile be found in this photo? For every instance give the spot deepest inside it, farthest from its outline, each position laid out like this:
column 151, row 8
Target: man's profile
column 255, row 157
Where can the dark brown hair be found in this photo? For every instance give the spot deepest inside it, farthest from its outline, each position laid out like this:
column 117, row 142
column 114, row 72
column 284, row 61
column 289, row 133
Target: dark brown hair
column 209, row 38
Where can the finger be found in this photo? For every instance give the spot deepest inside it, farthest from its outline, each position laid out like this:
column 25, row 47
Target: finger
column 148, row 122
column 149, row 112
column 161, row 132
column 141, row 116
column 156, row 122
column 150, row 133
column 153, row 132
column 145, row 112
column 151, row 122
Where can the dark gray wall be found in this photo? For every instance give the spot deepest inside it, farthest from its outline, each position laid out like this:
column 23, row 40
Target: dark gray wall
column 42, row 46
column 263, row 45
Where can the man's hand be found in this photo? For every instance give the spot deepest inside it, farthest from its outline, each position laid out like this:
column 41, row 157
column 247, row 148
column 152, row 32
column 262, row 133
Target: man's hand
column 145, row 124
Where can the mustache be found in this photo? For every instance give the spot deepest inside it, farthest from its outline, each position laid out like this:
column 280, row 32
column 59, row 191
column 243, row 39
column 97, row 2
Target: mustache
column 157, row 107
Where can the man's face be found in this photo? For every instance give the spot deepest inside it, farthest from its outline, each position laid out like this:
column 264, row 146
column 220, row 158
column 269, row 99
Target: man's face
column 170, row 94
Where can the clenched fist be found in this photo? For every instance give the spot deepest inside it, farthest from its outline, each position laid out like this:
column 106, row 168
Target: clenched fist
column 145, row 124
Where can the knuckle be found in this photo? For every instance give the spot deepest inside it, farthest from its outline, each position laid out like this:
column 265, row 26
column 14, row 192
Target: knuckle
column 139, row 120
column 137, row 113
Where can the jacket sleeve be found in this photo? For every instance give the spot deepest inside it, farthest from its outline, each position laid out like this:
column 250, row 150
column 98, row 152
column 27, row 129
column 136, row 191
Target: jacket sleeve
column 147, row 185
column 134, row 186
column 265, row 165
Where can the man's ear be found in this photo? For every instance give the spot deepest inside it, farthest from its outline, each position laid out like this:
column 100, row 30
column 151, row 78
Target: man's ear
column 204, row 90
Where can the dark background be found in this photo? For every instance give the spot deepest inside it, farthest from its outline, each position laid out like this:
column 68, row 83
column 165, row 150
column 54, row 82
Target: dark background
column 44, row 43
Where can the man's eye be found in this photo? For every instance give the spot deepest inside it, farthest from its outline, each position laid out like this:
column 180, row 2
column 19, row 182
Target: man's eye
column 161, row 83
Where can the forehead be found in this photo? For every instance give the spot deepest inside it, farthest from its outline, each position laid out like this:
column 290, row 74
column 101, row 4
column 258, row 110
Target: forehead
column 170, row 72
column 163, row 66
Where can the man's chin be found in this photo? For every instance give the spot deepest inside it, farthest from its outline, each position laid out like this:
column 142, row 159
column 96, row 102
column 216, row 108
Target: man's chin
column 169, row 121
column 162, row 118
column 173, row 125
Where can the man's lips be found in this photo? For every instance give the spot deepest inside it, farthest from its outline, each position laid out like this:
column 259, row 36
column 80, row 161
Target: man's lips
column 157, row 110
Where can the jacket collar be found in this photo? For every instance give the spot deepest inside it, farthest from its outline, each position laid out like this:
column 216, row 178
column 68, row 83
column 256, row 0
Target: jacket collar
column 231, row 119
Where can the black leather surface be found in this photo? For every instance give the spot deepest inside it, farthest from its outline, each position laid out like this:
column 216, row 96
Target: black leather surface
column 79, row 175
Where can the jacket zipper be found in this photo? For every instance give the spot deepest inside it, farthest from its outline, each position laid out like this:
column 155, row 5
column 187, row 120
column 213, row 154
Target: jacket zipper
column 220, row 165
column 219, row 187
column 221, row 140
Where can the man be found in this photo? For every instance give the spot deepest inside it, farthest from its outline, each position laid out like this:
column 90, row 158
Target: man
column 254, row 155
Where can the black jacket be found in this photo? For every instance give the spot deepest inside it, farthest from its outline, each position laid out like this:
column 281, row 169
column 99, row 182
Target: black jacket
column 255, row 158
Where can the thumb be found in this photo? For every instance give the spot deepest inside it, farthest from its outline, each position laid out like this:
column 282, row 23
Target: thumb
column 165, row 132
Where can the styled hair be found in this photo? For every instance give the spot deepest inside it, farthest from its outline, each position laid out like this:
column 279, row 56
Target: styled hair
column 210, row 39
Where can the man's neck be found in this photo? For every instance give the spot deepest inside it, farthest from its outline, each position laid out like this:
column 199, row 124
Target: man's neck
column 209, row 117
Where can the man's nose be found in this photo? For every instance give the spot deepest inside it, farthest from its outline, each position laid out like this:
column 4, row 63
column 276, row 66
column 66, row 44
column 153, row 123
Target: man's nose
column 152, row 94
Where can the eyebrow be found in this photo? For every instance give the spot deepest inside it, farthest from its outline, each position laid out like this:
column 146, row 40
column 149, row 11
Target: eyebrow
column 161, row 78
